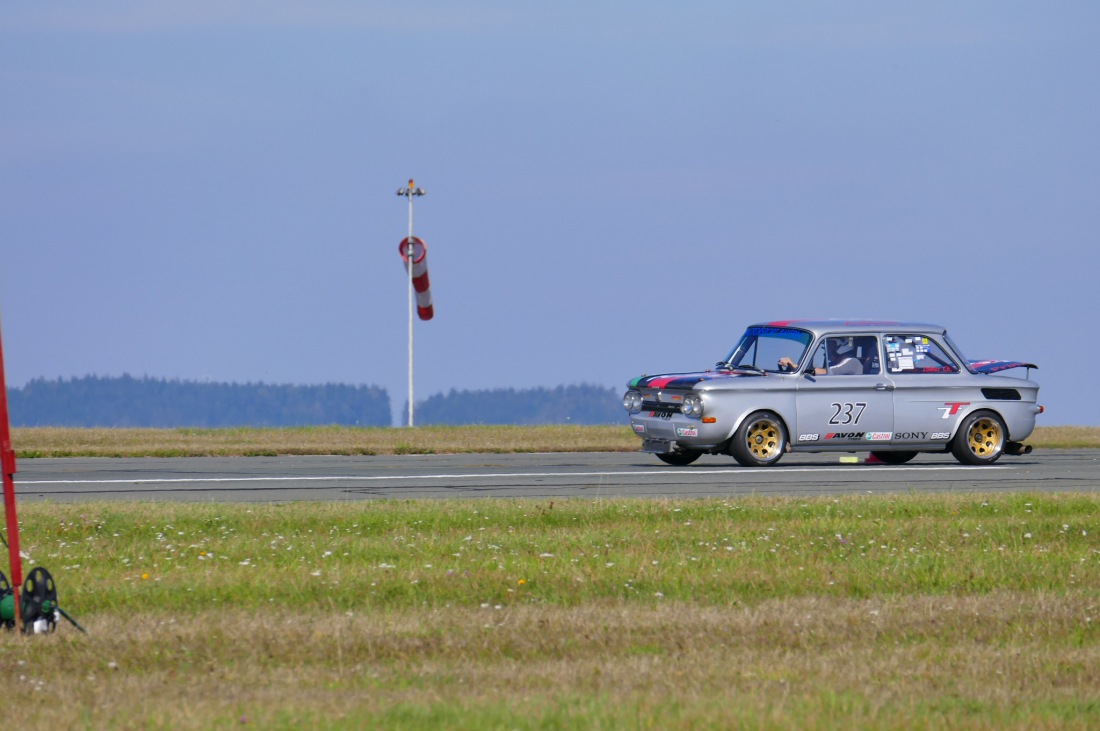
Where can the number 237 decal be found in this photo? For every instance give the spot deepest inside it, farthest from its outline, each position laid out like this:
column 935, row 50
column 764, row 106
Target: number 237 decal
column 847, row 413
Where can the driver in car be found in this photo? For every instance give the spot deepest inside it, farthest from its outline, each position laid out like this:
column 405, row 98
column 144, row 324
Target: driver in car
column 840, row 360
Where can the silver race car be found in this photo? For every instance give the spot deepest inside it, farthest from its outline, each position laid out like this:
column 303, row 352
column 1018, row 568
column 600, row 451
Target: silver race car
column 892, row 388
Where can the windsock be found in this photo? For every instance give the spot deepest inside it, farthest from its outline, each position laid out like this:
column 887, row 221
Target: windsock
column 419, row 274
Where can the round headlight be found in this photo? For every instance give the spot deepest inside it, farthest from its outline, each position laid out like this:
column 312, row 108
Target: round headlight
column 692, row 406
column 632, row 401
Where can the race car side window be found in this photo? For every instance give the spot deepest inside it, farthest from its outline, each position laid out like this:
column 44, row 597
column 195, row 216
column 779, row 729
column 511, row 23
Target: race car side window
column 917, row 354
column 848, row 355
column 867, row 352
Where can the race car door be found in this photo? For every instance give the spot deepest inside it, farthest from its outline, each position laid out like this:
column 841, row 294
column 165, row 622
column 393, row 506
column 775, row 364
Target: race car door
column 852, row 405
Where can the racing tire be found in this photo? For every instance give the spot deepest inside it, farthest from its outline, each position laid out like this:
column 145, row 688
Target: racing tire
column 760, row 441
column 981, row 439
column 681, row 457
column 893, row 457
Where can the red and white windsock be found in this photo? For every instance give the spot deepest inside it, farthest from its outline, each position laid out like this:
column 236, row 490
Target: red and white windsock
column 419, row 274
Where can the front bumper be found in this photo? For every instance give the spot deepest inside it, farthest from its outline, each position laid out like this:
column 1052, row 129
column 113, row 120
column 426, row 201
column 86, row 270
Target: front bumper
column 673, row 430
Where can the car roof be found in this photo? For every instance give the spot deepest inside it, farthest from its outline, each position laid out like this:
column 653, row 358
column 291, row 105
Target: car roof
column 819, row 327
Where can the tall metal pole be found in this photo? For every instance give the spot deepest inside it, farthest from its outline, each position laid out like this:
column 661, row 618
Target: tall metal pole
column 409, row 254
column 409, row 193
column 7, row 465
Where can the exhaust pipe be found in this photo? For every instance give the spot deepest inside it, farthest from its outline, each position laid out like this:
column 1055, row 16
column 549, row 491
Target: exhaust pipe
column 1016, row 449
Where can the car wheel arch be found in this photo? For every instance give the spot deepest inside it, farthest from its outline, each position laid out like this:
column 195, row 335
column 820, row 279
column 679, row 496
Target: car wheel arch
column 750, row 457
column 963, row 443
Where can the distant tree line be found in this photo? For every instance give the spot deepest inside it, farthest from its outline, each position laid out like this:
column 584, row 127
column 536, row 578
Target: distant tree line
column 583, row 404
column 126, row 401
column 150, row 402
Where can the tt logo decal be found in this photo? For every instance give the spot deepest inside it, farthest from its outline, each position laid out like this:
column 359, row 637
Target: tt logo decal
column 950, row 408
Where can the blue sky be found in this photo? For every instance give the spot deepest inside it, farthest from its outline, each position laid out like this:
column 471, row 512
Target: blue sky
column 205, row 190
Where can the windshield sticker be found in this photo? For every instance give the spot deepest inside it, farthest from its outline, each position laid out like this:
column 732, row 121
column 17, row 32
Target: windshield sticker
column 777, row 332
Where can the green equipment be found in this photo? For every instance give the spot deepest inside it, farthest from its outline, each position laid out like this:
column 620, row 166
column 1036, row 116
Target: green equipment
column 39, row 609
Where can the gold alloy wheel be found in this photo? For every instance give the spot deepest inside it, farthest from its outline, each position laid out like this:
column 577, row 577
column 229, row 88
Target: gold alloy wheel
column 763, row 439
column 985, row 438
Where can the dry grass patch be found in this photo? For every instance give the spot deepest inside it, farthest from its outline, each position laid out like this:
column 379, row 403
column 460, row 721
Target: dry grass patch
column 1065, row 437
column 64, row 442
column 1005, row 660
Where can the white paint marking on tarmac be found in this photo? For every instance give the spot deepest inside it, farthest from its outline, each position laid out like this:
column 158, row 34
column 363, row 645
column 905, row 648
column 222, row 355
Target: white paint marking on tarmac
column 498, row 475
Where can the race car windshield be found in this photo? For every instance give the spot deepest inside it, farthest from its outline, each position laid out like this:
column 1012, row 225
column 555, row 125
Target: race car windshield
column 762, row 347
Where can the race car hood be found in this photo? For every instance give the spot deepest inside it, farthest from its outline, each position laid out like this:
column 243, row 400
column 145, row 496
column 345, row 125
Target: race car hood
column 994, row 366
column 685, row 380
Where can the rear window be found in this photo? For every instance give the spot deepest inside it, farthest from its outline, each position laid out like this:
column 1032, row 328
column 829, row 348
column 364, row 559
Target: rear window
column 916, row 354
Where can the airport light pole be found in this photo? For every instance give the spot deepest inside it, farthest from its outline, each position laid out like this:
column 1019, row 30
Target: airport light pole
column 409, row 192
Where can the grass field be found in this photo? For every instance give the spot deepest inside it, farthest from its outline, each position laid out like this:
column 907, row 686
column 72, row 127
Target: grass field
column 58, row 442
column 912, row 611
column 872, row 612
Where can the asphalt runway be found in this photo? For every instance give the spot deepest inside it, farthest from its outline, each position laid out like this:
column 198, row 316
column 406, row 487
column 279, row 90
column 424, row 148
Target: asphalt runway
column 538, row 476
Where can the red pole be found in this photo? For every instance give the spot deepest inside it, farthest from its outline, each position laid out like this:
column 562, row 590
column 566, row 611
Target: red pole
column 7, row 464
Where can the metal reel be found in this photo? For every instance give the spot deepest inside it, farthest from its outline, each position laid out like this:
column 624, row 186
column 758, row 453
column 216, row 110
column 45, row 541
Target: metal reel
column 39, row 606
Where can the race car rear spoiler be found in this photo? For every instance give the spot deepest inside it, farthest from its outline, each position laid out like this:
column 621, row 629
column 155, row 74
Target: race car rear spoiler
column 995, row 366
